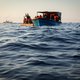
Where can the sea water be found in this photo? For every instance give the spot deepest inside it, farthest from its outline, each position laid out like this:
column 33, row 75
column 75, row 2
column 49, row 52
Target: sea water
column 40, row 53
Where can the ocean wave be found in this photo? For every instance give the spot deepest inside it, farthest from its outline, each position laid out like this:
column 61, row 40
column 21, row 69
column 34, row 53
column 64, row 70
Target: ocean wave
column 40, row 53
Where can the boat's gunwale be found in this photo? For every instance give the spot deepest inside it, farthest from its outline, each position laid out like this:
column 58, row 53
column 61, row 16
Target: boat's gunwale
column 27, row 25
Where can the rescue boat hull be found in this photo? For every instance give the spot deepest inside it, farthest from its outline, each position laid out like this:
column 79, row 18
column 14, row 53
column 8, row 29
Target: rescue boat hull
column 44, row 22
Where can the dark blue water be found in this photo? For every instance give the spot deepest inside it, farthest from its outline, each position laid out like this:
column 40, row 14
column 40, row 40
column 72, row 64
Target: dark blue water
column 40, row 53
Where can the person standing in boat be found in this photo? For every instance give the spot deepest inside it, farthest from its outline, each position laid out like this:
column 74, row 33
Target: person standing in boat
column 27, row 19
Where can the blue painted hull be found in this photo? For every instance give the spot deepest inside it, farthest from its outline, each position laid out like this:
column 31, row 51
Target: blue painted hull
column 44, row 22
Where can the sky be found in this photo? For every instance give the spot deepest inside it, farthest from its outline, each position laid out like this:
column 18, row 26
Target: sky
column 14, row 10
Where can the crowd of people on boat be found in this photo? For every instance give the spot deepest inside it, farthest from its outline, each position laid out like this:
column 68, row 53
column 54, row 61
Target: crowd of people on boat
column 27, row 19
column 54, row 17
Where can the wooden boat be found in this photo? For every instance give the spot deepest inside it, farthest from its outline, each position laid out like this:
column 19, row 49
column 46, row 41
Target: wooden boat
column 27, row 21
column 7, row 21
column 27, row 25
column 47, row 19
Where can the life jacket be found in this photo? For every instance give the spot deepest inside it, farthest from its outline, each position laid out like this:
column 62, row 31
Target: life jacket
column 56, row 18
column 40, row 16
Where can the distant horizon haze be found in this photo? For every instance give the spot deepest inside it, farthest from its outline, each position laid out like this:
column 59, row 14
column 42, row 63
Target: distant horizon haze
column 14, row 10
